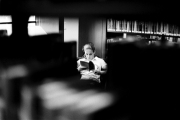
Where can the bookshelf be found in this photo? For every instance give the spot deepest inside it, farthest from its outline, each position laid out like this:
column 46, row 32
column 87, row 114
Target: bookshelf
column 149, row 30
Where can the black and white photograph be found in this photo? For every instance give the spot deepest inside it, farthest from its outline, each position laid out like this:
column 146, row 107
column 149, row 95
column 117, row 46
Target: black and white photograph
column 89, row 59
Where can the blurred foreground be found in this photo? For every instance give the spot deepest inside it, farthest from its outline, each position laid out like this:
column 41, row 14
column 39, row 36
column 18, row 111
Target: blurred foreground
column 141, row 83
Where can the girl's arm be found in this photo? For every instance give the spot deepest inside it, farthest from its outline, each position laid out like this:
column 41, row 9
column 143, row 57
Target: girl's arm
column 102, row 71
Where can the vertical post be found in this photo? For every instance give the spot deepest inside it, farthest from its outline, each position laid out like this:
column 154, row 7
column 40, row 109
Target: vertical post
column 61, row 28
column 20, row 26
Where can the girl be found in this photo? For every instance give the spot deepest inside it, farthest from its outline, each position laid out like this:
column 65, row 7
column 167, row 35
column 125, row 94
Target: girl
column 100, row 66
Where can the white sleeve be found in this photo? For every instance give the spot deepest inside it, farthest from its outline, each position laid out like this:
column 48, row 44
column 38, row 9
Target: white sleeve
column 78, row 63
column 103, row 64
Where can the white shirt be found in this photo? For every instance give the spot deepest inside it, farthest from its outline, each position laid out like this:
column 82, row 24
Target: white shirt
column 86, row 74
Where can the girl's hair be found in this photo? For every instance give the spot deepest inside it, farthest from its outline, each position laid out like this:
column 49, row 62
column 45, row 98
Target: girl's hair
column 91, row 46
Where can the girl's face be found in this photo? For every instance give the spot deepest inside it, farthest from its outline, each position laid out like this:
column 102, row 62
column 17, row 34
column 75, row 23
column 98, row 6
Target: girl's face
column 89, row 54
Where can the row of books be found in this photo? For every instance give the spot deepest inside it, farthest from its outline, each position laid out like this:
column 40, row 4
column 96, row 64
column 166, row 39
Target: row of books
column 150, row 38
column 136, row 26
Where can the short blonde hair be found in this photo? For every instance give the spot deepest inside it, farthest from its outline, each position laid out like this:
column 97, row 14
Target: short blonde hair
column 91, row 46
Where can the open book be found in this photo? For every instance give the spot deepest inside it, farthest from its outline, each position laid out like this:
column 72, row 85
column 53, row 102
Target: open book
column 88, row 65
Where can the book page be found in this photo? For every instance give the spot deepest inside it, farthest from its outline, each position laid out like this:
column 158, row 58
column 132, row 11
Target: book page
column 84, row 64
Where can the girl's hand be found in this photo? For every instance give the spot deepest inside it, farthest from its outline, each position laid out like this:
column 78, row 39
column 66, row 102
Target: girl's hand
column 81, row 68
column 97, row 72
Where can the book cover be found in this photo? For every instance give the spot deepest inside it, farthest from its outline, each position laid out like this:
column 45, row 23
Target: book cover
column 88, row 65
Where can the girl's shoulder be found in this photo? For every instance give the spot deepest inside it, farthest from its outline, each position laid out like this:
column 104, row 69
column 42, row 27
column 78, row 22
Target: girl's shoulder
column 98, row 58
